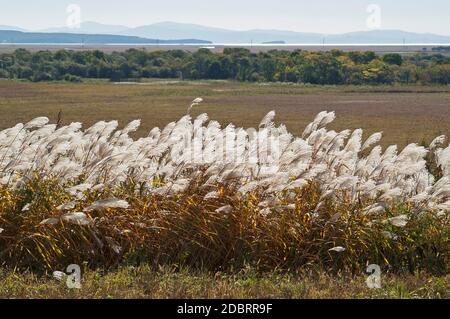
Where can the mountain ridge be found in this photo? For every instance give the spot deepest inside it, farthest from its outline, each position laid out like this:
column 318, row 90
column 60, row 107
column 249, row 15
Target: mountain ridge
column 18, row 37
column 172, row 31
column 11, row 28
column 89, row 27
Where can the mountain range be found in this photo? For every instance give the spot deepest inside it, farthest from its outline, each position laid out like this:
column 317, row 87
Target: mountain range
column 11, row 28
column 174, row 31
column 19, row 37
column 90, row 27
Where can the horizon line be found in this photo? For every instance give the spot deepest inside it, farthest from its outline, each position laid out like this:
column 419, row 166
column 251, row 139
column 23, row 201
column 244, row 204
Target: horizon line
column 211, row 45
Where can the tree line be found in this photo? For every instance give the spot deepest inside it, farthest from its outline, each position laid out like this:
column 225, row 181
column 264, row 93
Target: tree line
column 333, row 67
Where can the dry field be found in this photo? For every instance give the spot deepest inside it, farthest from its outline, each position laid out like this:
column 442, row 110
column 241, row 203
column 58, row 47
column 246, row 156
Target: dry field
column 404, row 114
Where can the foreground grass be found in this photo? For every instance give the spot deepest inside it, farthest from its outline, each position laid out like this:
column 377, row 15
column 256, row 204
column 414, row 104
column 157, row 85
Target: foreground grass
column 143, row 282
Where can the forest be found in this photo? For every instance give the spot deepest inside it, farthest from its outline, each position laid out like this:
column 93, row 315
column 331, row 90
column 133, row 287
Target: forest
column 321, row 68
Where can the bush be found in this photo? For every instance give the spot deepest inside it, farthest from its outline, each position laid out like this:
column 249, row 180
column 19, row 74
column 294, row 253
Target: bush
column 42, row 76
column 72, row 78
column 393, row 58
column 4, row 74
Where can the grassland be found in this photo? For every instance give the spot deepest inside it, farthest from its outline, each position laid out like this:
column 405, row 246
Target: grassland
column 405, row 114
column 145, row 283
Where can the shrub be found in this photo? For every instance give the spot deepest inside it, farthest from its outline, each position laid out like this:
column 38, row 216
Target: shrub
column 42, row 76
column 72, row 78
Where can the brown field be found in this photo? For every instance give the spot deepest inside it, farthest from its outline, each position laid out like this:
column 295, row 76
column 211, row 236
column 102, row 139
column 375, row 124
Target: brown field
column 404, row 114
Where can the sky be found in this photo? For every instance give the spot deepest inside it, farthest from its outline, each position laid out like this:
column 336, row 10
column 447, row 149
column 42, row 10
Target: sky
column 321, row 16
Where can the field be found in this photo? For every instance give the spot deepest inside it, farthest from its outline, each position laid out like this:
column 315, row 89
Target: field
column 405, row 114
column 145, row 219
column 145, row 283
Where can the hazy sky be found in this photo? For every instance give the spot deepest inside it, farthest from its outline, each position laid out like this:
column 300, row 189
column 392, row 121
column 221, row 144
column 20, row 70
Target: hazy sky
column 324, row 16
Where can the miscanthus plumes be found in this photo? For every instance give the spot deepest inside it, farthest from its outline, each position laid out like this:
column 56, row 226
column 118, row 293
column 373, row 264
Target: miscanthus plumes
column 199, row 193
column 268, row 158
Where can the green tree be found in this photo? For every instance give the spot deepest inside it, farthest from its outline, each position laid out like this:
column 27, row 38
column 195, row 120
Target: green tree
column 393, row 58
column 268, row 68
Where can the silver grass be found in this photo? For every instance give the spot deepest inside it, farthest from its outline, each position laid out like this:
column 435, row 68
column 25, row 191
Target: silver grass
column 77, row 218
column 399, row 221
column 338, row 249
column 268, row 157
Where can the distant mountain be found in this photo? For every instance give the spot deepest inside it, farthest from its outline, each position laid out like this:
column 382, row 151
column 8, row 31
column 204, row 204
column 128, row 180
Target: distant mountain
column 11, row 28
column 89, row 27
column 387, row 36
column 18, row 37
column 175, row 31
column 172, row 30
